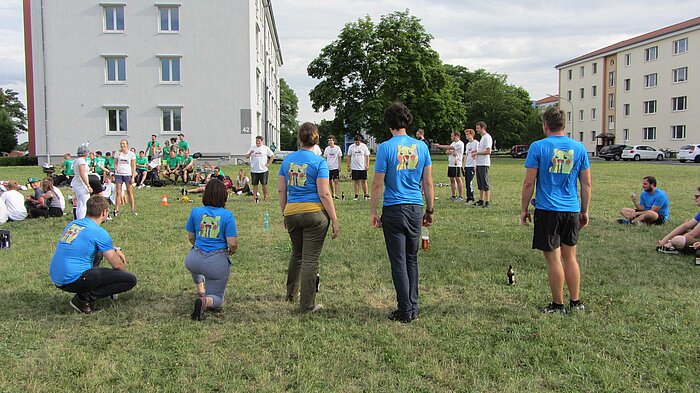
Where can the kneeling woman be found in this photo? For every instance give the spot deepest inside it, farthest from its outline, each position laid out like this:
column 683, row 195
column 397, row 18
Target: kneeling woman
column 212, row 231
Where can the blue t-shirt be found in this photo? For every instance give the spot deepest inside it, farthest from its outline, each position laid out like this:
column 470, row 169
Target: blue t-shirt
column 301, row 169
column 211, row 226
column 402, row 159
column 558, row 160
column 658, row 198
column 697, row 217
column 76, row 249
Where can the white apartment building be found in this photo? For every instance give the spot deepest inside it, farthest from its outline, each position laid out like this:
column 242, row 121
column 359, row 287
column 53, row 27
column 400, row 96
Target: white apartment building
column 639, row 91
column 101, row 71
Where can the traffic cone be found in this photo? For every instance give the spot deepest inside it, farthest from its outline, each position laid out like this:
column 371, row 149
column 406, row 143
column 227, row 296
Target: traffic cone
column 164, row 202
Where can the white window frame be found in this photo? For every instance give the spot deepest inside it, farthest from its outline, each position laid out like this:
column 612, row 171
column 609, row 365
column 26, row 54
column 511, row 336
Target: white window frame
column 626, row 110
column 593, row 113
column 170, row 108
column 592, row 136
column 611, row 101
column 627, row 84
column 581, row 93
column 117, row 108
column 611, row 79
column 649, row 107
column 568, row 95
column 651, row 53
column 169, row 7
column 569, row 74
column 626, row 134
column 115, row 57
column 646, row 131
column 170, row 59
column 675, row 103
column 580, row 115
column 582, row 72
column 677, row 46
column 676, row 74
column 115, row 6
column 628, row 59
column 648, row 78
column 594, row 91
column 674, row 128
column 568, row 117
column 580, row 136
column 594, row 68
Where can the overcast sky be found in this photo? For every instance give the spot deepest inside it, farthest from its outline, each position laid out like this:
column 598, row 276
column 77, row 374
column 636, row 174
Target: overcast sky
column 524, row 39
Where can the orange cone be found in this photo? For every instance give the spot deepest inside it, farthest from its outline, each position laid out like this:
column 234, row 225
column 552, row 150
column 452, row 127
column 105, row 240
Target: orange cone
column 164, row 202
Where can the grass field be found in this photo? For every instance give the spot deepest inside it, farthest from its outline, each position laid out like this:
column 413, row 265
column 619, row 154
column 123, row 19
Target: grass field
column 640, row 332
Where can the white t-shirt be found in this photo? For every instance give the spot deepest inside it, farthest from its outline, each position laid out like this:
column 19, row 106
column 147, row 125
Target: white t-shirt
column 485, row 143
column 58, row 200
column 317, row 150
column 455, row 159
column 3, row 212
column 357, row 156
column 77, row 182
column 333, row 155
column 14, row 202
column 258, row 158
column 242, row 183
column 470, row 162
column 122, row 166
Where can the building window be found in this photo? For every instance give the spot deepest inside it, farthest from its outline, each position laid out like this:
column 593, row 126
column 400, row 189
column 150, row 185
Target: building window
column 611, row 79
column 678, row 132
column 628, row 84
column 170, row 70
column 594, row 91
column 172, row 120
column 626, row 134
column 582, row 71
column 595, row 68
column 115, row 69
column 568, row 95
column 580, row 136
column 169, row 18
column 649, row 107
column 651, row 54
column 611, row 123
column 568, row 117
column 680, row 74
column 679, row 103
column 593, row 114
column 611, row 101
column 580, row 115
column 628, row 59
column 592, row 136
column 569, row 73
column 626, row 109
column 114, row 18
column 650, row 80
column 649, row 133
column 116, row 120
column 680, row 46
column 581, row 93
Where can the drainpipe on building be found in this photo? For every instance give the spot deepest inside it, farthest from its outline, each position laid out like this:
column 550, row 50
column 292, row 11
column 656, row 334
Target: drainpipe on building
column 265, row 57
column 43, row 61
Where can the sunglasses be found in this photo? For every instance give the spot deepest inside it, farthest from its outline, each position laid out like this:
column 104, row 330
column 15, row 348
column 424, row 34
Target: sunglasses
column 697, row 196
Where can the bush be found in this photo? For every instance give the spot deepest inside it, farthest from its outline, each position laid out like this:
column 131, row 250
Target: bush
column 18, row 161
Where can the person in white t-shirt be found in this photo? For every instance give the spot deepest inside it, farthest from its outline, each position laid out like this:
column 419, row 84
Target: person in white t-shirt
column 124, row 173
column 81, row 182
column 483, row 162
column 333, row 156
column 358, row 162
column 317, row 150
column 260, row 159
column 470, row 163
column 455, row 150
column 14, row 202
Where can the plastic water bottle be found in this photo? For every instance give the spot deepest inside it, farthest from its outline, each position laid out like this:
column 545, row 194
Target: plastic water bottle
column 425, row 239
column 266, row 221
column 318, row 282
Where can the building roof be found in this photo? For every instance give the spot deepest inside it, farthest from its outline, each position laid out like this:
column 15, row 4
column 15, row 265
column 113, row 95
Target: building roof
column 635, row 40
column 547, row 100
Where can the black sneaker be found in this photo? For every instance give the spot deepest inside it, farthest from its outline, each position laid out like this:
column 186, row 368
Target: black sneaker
column 366, row 197
column 553, row 308
column 182, row 190
column 479, row 203
column 199, row 307
column 576, row 306
column 394, row 316
column 81, row 305
column 487, row 205
column 667, row 250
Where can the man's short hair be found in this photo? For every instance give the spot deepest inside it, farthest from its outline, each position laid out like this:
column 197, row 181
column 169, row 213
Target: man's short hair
column 181, row 134
column 481, row 124
column 458, row 133
column 397, row 116
column 420, row 131
column 358, row 137
column 469, row 131
column 96, row 205
column 259, row 137
column 651, row 180
column 153, row 134
column 331, row 138
column 554, row 118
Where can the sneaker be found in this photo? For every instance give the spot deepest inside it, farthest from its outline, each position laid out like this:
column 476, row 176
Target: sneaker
column 487, row 205
column 109, row 218
column 116, row 213
column 134, row 213
column 623, row 221
column 667, row 250
column 335, row 197
column 453, row 198
column 578, row 306
column 468, row 201
column 315, row 309
column 697, row 260
column 459, row 199
column 355, row 199
column 81, row 305
column 199, row 307
column 114, row 297
column 553, row 308
column 182, row 191
column 479, row 203
column 394, row 316
column 367, row 197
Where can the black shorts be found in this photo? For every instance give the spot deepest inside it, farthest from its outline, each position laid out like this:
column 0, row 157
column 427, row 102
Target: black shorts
column 482, row 178
column 454, row 171
column 661, row 220
column 334, row 174
column 554, row 228
column 359, row 175
column 256, row 178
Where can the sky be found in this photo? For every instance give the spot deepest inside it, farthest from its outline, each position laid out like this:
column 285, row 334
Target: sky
column 523, row 39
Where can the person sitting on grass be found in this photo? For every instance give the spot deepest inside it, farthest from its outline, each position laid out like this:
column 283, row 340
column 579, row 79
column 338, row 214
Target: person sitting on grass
column 186, row 165
column 242, row 183
column 172, row 166
column 682, row 238
column 141, row 169
column 109, row 190
column 52, row 201
column 211, row 229
column 67, row 173
column 75, row 264
column 14, row 202
column 35, row 201
column 652, row 208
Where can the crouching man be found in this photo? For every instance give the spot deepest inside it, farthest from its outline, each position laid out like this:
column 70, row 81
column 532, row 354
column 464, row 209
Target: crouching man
column 75, row 263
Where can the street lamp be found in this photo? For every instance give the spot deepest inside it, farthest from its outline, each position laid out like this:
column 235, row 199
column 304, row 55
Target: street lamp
column 572, row 111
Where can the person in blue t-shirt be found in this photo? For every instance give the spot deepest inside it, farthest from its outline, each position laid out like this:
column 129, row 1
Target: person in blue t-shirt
column 307, row 205
column 401, row 162
column 681, row 239
column 652, row 207
column 75, row 264
column 555, row 165
column 211, row 229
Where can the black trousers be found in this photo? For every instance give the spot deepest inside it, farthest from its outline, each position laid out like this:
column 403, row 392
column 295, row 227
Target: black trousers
column 100, row 282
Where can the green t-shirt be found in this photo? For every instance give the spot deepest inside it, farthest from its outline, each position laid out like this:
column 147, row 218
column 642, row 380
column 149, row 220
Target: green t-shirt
column 151, row 148
column 172, row 162
column 166, row 152
column 68, row 167
column 90, row 164
column 110, row 163
column 100, row 161
column 141, row 162
column 182, row 145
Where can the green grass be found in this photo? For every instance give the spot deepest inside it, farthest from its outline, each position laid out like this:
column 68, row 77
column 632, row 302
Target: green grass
column 640, row 331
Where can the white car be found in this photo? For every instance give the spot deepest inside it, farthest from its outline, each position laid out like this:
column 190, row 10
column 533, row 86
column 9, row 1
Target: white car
column 641, row 152
column 689, row 153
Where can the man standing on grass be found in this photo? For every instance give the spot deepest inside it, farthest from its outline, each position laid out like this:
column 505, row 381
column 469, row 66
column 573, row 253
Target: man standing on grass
column 420, row 135
column 333, row 156
column 182, row 145
column 401, row 162
column 358, row 162
column 151, row 147
column 75, row 264
column 261, row 158
column 652, row 207
column 483, row 162
column 470, row 163
column 455, row 150
column 555, row 164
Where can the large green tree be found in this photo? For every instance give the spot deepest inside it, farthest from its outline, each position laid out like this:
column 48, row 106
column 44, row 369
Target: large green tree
column 370, row 65
column 13, row 120
column 289, row 109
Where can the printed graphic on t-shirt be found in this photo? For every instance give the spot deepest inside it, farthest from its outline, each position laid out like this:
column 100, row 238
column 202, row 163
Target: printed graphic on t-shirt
column 562, row 161
column 408, row 157
column 297, row 174
column 71, row 233
column 209, row 227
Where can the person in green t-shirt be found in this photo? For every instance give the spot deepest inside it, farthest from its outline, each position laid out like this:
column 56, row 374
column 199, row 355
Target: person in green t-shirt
column 172, row 165
column 187, row 165
column 67, row 174
column 166, row 150
column 100, row 164
column 182, row 145
column 90, row 162
column 109, row 158
column 141, row 169
column 151, row 147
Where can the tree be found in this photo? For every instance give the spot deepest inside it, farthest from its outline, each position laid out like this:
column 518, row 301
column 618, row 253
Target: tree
column 13, row 120
column 370, row 65
column 289, row 108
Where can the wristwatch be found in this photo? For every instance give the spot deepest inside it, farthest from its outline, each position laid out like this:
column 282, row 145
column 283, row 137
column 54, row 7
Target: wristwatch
column 430, row 211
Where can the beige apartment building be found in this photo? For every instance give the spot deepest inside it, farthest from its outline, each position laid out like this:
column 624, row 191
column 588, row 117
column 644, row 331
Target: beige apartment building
column 639, row 91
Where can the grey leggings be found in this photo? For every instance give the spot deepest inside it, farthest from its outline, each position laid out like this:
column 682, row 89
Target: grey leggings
column 214, row 267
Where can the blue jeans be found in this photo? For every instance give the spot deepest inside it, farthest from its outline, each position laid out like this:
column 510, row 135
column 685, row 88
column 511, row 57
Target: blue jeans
column 401, row 225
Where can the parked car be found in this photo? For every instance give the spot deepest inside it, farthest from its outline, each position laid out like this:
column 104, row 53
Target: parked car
column 689, row 153
column 642, row 152
column 612, row 152
column 519, row 151
column 281, row 154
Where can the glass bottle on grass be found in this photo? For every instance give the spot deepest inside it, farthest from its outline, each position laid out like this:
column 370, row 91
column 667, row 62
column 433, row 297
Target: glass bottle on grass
column 424, row 239
column 266, row 221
